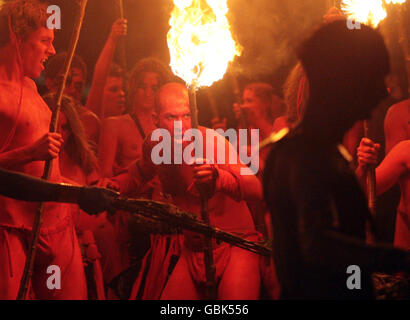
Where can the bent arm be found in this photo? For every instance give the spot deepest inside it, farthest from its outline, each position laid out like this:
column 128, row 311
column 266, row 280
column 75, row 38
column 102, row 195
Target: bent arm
column 394, row 165
column 235, row 179
column 16, row 158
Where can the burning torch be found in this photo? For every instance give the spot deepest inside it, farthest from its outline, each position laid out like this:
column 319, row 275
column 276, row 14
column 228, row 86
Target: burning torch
column 372, row 12
column 201, row 47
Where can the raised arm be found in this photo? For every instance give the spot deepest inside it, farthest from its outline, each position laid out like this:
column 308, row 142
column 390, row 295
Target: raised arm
column 103, row 67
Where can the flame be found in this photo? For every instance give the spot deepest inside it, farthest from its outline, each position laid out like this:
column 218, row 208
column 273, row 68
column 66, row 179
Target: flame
column 200, row 41
column 370, row 12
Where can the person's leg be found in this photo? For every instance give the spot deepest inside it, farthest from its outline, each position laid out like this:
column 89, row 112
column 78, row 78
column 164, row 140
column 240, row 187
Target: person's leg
column 241, row 278
column 12, row 261
column 180, row 285
column 67, row 256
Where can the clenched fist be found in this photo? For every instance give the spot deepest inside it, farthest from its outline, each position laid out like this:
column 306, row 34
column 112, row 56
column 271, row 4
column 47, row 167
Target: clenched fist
column 119, row 29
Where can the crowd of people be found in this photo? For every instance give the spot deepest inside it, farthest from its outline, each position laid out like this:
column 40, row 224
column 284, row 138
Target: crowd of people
column 307, row 199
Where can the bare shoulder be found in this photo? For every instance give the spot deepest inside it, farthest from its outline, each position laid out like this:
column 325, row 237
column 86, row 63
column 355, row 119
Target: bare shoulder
column 114, row 122
column 399, row 111
column 403, row 147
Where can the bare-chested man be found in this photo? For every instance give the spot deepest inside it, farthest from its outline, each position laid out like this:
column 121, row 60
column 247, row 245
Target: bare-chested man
column 237, row 271
column 25, row 44
column 121, row 137
column 395, row 168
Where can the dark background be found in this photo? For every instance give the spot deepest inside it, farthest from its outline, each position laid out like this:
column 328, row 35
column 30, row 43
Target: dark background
column 268, row 31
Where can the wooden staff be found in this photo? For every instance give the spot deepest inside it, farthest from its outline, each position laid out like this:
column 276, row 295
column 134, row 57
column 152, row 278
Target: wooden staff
column 210, row 270
column 212, row 103
column 371, row 191
column 28, row 268
column 121, row 44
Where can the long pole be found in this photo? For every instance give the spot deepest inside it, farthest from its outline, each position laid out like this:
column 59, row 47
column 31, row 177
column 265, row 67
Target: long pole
column 208, row 254
column 38, row 220
column 121, row 45
column 371, row 189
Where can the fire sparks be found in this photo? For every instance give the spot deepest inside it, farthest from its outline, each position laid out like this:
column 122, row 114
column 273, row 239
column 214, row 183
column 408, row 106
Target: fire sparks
column 370, row 12
column 200, row 41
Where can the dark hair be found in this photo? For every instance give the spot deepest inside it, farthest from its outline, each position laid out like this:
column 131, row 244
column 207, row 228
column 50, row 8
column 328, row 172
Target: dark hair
column 55, row 65
column 147, row 65
column 26, row 16
column 78, row 147
column 338, row 58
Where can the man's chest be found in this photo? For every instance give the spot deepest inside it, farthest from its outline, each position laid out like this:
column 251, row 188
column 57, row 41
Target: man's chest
column 33, row 121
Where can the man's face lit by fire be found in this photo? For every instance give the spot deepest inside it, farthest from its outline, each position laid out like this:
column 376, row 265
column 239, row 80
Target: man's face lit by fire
column 145, row 94
column 174, row 107
column 114, row 97
column 35, row 51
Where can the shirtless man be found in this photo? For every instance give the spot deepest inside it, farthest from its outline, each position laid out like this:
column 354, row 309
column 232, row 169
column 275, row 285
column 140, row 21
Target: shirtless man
column 237, row 271
column 122, row 136
column 318, row 209
column 395, row 168
column 25, row 44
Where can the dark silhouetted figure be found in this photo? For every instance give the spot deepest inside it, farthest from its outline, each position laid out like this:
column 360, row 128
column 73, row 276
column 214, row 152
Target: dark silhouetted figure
column 318, row 209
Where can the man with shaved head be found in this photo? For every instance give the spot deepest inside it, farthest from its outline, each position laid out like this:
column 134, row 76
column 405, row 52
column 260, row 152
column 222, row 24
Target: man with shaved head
column 237, row 271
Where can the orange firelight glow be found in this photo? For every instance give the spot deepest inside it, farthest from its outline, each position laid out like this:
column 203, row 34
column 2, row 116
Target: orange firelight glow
column 200, row 41
column 370, row 12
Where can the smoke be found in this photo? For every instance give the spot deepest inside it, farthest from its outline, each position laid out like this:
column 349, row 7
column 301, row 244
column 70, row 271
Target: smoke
column 270, row 30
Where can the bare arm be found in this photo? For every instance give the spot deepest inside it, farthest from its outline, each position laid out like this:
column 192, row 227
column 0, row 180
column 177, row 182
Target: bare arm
column 108, row 146
column 388, row 173
column 103, row 67
column 47, row 147
column 234, row 179
column 393, row 167
column 24, row 187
